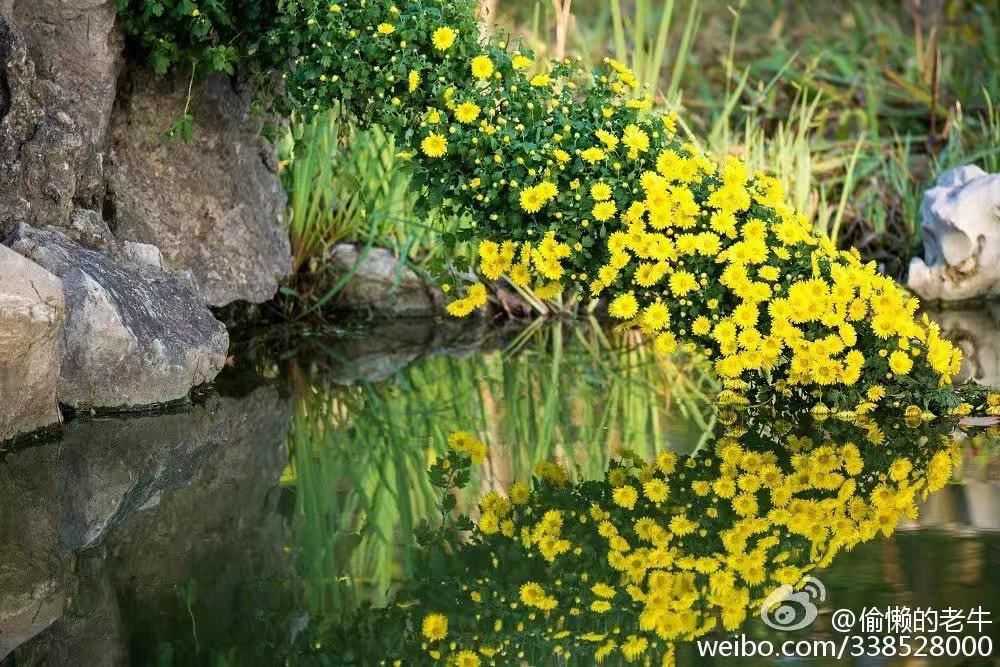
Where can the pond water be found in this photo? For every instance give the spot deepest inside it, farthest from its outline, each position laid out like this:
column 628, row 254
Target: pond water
column 269, row 520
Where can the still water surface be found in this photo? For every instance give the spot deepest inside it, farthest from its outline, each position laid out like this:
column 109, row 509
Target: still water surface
column 255, row 524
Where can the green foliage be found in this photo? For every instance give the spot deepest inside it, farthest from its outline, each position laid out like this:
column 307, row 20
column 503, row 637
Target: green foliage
column 207, row 35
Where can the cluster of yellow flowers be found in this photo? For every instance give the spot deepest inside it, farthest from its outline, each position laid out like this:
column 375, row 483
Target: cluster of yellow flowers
column 465, row 442
column 670, row 549
column 570, row 179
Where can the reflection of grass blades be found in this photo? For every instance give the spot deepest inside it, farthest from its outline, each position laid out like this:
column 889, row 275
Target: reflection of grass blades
column 359, row 485
column 359, row 454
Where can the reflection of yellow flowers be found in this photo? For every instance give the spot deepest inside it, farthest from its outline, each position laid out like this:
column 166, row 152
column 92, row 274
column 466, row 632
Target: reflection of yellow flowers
column 435, row 627
column 693, row 540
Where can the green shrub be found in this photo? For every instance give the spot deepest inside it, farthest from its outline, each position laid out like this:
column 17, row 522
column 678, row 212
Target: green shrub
column 207, row 36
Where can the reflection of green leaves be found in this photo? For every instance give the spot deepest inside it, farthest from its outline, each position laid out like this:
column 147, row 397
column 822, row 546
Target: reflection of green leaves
column 370, row 459
column 188, row 593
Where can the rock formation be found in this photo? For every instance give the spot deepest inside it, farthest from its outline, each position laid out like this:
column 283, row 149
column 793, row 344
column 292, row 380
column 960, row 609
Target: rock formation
column 134, row 335
column 212, row 206
column 31, row 319
column 381, row 284
column 960, row 222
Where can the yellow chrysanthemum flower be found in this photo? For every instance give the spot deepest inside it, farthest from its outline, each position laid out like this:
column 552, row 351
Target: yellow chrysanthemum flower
column 434, row 145
column 443, row 38
column 435, row 627
column 467, row 112
column 482, row 67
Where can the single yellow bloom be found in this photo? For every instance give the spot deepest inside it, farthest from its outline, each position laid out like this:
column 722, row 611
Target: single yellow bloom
column 482, row 67
column 434, row 145
column 443, row 38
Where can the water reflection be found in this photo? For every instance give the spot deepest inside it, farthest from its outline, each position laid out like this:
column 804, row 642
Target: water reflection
column 276, row 520
column 659, row 550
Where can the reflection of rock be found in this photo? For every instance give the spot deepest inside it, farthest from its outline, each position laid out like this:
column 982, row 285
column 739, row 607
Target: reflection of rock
column 379, row 353
column 110, row 466
column 134, row 335
column 960, row 222
column 977, row 332
column 31, row 318
column 381, row 284
column 218, row 544
column 212, row 206
column 164, row 499
column 91, row 629
column 33, row 569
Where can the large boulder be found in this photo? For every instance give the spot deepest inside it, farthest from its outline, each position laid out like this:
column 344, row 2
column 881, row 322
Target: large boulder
column 76, row 46
column 59, row 63
column 47, row 165
column 380, row 283
column 213, row 206
column 134, row 335
column 960, row 222
column 31, row 318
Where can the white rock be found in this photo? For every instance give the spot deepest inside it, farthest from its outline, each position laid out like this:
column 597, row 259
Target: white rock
column 143, row 253
column 960, row 222
column 31, row 319
column 381, row 283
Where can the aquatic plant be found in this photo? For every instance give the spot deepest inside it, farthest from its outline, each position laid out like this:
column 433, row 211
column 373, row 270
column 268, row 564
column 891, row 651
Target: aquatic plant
column 656, row 552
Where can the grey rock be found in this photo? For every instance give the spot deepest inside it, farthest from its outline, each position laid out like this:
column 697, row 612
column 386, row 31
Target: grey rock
column 143, row 253
column 381, row 284
column 960, row 222
column 213, row 206
column 76, row 46
column 59, row 63
column 32, row 311
column 48, row 165
column 89, row 229
column 134, row 335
